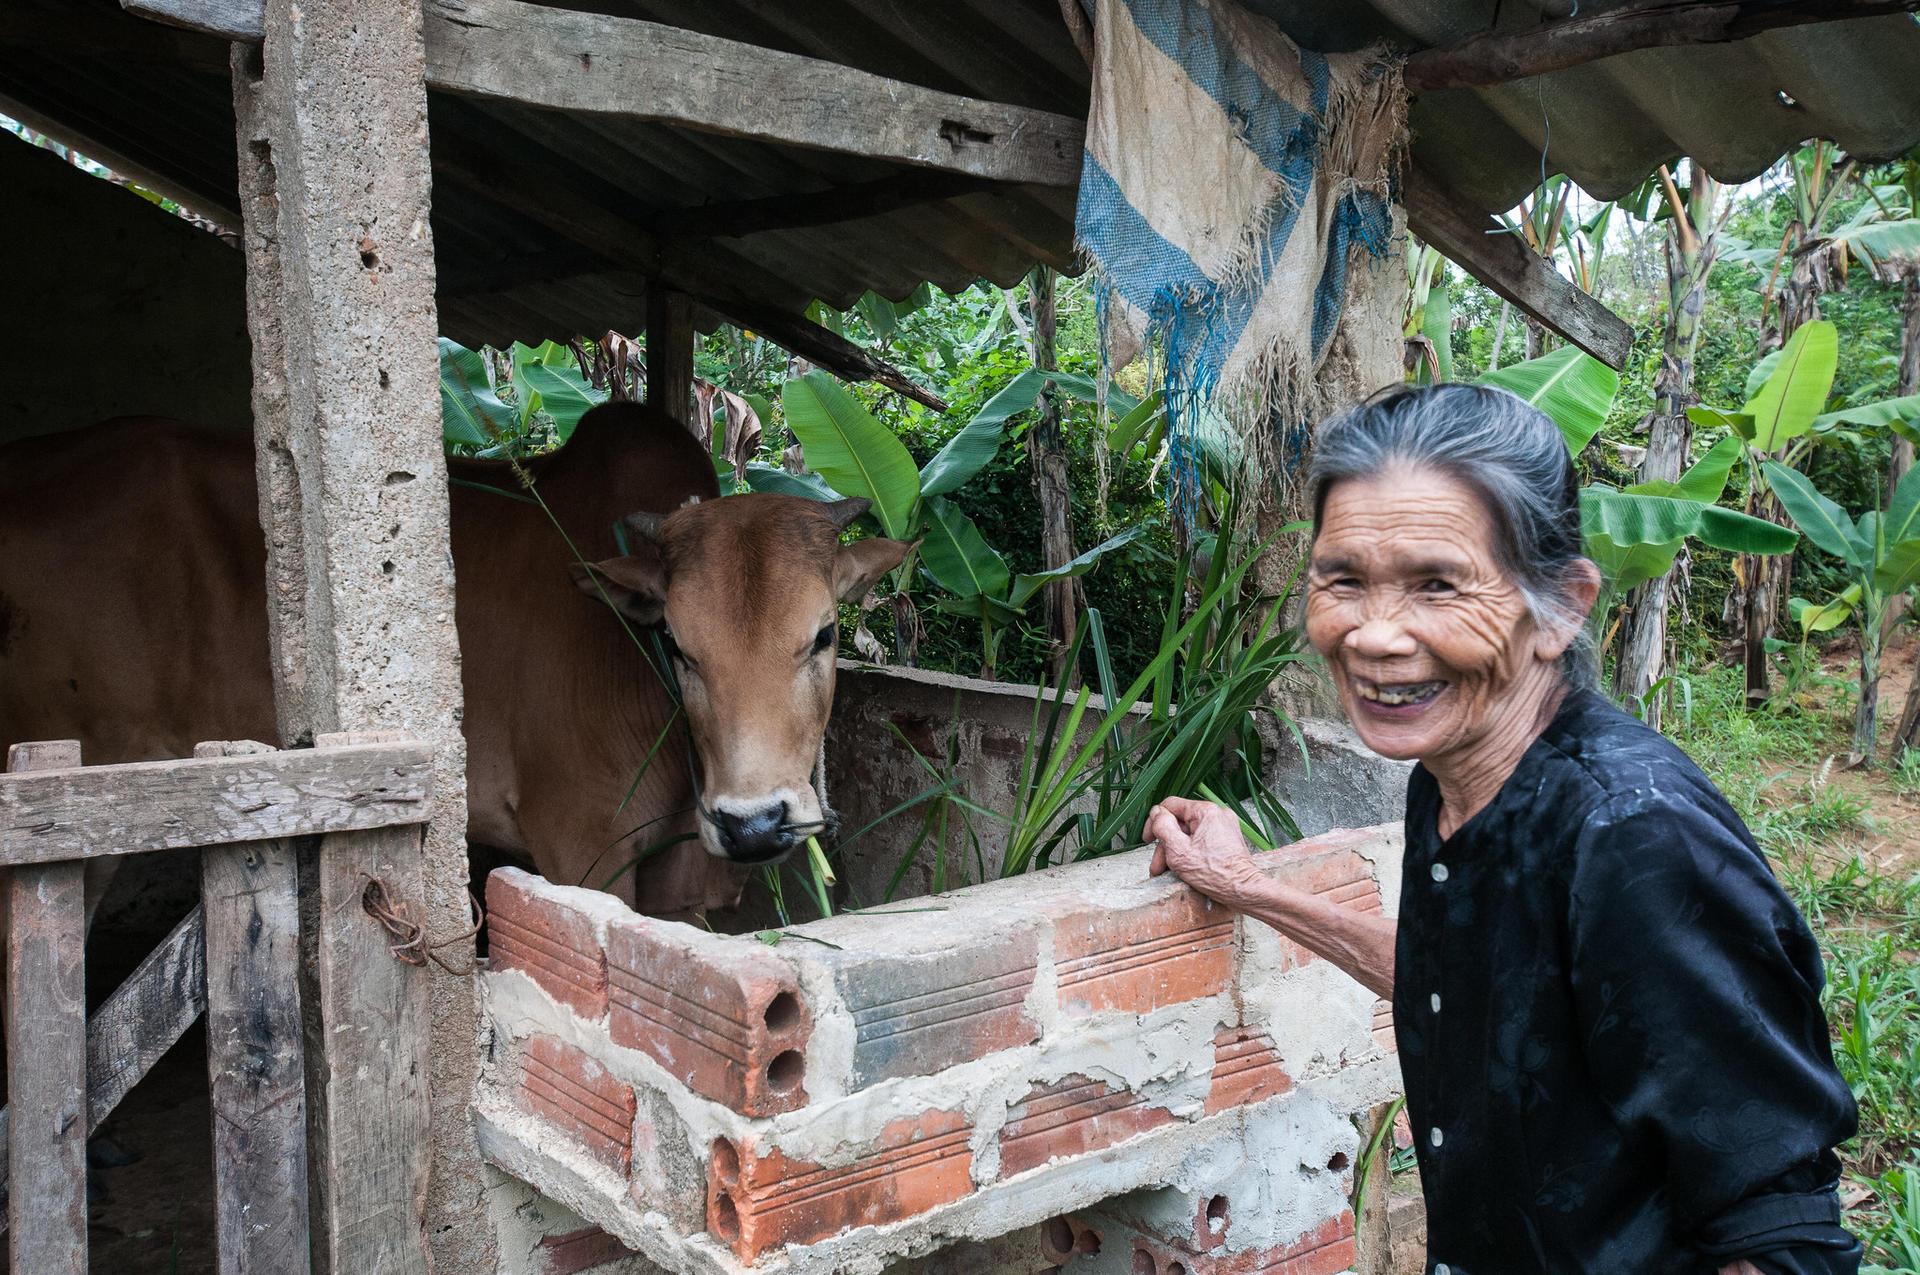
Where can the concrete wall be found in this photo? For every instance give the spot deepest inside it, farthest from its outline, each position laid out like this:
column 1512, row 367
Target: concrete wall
column 886, row 720
column 115, row 307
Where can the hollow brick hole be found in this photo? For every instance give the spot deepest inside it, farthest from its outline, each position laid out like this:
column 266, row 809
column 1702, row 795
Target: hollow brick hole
column 726, row 1159
column 1339, row 1162
column 1176, row 1268
column 782, row 1012
column 1217, row 1215
column 1088, row 1242
column 1059, row 1236
column 786, row 1071
column 1142, row 1262
column 726, row 1219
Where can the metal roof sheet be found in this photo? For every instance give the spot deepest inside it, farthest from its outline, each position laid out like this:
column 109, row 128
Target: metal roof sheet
column 161, row 98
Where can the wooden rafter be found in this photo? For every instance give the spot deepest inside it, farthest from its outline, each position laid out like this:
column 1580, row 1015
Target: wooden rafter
column 1483, row 248
column 1501, row 57
column 561, row 59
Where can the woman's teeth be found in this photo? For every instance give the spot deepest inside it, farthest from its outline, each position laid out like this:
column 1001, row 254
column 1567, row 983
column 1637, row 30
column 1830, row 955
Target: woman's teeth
column 1401, row 693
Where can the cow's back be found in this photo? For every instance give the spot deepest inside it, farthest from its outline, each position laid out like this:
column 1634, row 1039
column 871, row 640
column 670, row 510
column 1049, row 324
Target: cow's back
column 132, row 604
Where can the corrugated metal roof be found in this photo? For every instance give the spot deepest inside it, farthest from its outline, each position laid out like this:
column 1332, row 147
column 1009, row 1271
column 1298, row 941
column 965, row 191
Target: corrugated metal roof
column 161, row 98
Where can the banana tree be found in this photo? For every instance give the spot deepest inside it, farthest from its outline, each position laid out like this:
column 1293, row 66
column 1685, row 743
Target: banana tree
column 1634, row 534
column 1882, row 556
column 854, row 454
column 1573, row 388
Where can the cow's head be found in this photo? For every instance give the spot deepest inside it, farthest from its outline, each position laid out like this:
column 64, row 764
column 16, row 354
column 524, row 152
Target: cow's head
column 748, row 588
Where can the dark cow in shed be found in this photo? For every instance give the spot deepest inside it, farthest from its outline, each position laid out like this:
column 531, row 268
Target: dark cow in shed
column 133, row 618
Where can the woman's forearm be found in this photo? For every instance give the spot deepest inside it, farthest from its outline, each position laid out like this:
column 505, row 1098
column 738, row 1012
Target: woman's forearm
column 1360, row 944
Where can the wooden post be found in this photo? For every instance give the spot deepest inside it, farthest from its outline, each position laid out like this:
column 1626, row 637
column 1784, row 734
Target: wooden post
column 47, row 1051
column 249, row 895
column 1046, row 449
column 335, row 184
column 670, row 351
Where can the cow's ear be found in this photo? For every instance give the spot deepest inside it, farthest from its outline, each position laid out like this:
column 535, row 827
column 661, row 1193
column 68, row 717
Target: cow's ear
column 857, row 566
column 636, row 585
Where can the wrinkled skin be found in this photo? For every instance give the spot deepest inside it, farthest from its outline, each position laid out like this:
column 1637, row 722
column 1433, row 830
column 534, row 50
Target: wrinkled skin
column 1406, row 596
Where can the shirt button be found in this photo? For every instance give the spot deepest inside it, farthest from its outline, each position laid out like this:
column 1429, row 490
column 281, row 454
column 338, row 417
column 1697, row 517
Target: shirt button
column 1434, row 1136
column 1434, row 1000
column 1439, row 872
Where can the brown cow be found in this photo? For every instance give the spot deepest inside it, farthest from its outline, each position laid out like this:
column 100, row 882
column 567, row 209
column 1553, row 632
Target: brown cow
column 133, row 618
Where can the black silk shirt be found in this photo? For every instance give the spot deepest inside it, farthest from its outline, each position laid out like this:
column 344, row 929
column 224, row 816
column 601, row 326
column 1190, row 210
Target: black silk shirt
column 1609, row 1022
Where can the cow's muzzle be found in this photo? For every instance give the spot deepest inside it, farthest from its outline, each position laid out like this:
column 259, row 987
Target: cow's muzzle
column 759, row 836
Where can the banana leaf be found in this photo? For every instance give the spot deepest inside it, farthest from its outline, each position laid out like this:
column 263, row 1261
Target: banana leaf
column 1570, row 386
column 771, row 478
column 1797, row 388
column 855, row 453
column 957, row 556
column 1029, row 582
column 1819, row 519
column 1827, row 616
column 1890, row 412
column 471, row 414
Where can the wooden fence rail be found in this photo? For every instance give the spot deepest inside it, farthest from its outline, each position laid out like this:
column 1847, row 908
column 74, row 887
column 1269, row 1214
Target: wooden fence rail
column 235, row 957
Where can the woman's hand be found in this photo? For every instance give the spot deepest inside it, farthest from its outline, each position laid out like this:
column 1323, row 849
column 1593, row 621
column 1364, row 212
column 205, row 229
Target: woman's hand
column 1201, row 844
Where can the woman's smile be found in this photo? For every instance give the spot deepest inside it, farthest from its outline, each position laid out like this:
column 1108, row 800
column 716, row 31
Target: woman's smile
column 1396, row 699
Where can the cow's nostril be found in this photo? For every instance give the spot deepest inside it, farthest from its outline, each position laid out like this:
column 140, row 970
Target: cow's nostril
column 756, row 836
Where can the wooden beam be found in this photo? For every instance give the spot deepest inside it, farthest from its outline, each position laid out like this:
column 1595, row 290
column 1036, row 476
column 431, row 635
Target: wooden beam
column 46, row 1025
column 565, row 60
column 133, row 1028
column 811, row 341
column 256, row 1063
column 815, row 208
column 91, row 811
column 1486, row 250
column 1502, row 57
column 670, row 352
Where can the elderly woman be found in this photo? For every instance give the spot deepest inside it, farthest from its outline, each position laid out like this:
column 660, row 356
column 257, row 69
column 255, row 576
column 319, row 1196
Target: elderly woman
column 1607, row 1011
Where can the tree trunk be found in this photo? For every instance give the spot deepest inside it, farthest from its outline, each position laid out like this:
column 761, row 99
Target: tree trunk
column 1767, row 580
column 1536, row 335
column 1863, row 717
column 1690, row 257
column 1047, row 451
column 1499, row 336
column 1909, row 724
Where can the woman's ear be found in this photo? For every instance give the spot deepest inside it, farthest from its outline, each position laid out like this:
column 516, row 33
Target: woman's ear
column 1583, row 588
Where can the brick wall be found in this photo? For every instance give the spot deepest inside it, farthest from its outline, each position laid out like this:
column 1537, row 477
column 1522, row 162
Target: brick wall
column 1081, row 1047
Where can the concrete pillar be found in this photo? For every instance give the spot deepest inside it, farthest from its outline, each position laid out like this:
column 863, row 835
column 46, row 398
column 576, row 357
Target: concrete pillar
column 335, row 181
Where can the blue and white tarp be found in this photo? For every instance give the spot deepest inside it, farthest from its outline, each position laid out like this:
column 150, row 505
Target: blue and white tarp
column 1228, row 176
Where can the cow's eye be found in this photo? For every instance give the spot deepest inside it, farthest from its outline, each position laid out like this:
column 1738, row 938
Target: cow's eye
column 823, row 640
column 672, row 648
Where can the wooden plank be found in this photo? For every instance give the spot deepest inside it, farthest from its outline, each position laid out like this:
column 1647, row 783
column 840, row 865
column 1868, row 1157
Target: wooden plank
column 836, row 204
column 230, row 19
column 82, row 813
column 670, row 351
column 565, row 60
column 370, row 1066
column 1502, row 57
column 141, row 1021
column 1486, row 250
column 47, row 1078
column 256, row 1059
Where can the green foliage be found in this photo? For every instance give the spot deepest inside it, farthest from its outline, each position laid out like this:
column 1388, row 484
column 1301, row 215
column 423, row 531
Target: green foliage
column 853, row 452
column 534, row 410
column 1569, row 385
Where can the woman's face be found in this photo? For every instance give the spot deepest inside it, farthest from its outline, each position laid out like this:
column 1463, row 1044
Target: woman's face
column 1429, row 642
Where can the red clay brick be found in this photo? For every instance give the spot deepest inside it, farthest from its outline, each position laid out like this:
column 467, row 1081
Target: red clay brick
column 569, row 1088
column 1141, row 959
column 1072, row 1117
column 726, row 1019
column 1068, row 1236
column 1326, row 1250
column 757, row 1202
column 1383, row 1025
column 577, row 1252
column 1246, row 1069
column 551, row 943
column 913, row 1017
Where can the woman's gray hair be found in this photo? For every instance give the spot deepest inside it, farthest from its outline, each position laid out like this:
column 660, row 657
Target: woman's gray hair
column 1506, row 451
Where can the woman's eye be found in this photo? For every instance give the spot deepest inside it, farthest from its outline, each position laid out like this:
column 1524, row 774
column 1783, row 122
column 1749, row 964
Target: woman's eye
column 1436, row 586
column 823, row 640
